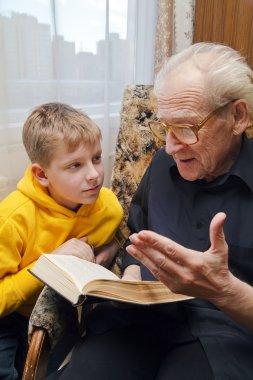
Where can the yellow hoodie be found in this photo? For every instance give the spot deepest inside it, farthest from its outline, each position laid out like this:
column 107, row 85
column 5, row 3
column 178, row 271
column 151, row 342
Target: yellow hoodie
column 32, row 223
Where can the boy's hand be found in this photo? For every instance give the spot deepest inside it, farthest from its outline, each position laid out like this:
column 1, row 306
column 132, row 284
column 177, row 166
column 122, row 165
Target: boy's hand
column 132, row 273
column 106, row 253
column 76, row 247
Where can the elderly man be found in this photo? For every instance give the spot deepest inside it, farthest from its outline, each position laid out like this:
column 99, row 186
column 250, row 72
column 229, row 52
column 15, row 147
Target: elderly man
column 198, row 186
column 216, row 158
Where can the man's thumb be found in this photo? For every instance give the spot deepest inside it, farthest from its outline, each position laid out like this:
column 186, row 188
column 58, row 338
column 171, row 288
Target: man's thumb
column 217, row 238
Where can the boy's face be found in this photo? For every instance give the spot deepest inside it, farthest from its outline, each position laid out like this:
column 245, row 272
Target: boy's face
column 75, row 178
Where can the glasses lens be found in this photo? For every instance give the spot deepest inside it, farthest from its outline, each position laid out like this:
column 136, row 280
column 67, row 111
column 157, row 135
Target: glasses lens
column 184, row 134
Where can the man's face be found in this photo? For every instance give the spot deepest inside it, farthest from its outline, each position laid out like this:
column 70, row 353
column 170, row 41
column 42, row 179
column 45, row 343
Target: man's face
column 181, row 101
column 76, row 177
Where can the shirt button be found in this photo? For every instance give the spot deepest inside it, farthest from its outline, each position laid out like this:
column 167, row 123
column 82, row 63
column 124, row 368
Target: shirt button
column 199, row 225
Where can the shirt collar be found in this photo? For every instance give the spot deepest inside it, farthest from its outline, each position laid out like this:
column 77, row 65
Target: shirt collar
column 243, row 167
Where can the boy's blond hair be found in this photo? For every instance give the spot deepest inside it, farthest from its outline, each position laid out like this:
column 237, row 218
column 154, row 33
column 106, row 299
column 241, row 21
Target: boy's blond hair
column 53, row 122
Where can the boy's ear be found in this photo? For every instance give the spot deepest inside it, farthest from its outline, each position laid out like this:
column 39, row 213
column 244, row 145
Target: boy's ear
column 241, row 116
column 39, row 173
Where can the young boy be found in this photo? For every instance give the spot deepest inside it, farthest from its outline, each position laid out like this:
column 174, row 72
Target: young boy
column 60, row 207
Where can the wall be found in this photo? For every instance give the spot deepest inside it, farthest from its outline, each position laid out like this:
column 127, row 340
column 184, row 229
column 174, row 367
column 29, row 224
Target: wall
column 226, row 21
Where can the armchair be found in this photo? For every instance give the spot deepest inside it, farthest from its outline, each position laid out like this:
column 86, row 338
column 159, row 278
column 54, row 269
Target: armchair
column 53, row 317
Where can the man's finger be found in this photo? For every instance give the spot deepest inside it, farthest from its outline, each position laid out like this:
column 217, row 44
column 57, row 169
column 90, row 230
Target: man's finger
column 149, row 239
column 217, row 237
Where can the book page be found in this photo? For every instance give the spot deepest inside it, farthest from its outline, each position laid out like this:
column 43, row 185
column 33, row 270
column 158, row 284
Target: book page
column 81, row 271
column 139, row 292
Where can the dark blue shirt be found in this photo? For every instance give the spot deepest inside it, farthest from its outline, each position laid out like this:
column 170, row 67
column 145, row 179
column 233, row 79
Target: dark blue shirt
column 182, row 210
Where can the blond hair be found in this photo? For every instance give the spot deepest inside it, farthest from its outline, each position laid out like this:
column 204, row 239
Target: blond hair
column 53, row 122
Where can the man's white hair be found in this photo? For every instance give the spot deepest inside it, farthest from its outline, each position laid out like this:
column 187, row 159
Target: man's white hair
column 226, row 74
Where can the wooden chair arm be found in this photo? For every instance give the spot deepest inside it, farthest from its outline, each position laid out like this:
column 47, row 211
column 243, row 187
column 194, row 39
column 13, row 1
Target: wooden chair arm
column 37, row 357
column 54, row 325
column 55, row 315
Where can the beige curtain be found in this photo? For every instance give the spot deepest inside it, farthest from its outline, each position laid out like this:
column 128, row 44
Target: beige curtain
column 174, row 30
column 164, row 32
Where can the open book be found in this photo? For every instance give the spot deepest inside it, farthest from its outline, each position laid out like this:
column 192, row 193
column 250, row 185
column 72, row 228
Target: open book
column 78, row 280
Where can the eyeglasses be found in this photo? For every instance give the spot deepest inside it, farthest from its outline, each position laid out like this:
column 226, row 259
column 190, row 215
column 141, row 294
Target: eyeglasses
column 186, row 133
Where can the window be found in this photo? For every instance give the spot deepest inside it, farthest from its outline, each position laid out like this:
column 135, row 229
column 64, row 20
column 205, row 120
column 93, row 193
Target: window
column 78, row 52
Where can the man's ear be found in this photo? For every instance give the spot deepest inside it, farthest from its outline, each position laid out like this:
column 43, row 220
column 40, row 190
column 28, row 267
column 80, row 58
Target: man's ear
column 39, row 173
column 241, row 116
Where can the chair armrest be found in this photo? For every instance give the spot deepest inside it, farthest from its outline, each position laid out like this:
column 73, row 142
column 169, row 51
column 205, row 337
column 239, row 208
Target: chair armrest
column 52, row 318
column 55, row 315
column 37, row 357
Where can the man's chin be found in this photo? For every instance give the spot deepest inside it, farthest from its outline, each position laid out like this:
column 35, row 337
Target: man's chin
column 188, row 176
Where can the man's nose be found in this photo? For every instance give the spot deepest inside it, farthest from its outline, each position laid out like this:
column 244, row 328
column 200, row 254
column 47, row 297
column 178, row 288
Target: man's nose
column 173, row 144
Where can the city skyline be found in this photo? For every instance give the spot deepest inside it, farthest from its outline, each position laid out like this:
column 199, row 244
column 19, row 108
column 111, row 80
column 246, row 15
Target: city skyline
column 86, row 18
column 38, row 67
column 36, row 52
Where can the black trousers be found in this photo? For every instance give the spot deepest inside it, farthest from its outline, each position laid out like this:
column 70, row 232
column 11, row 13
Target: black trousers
column 13, row 346
column 143, row 343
